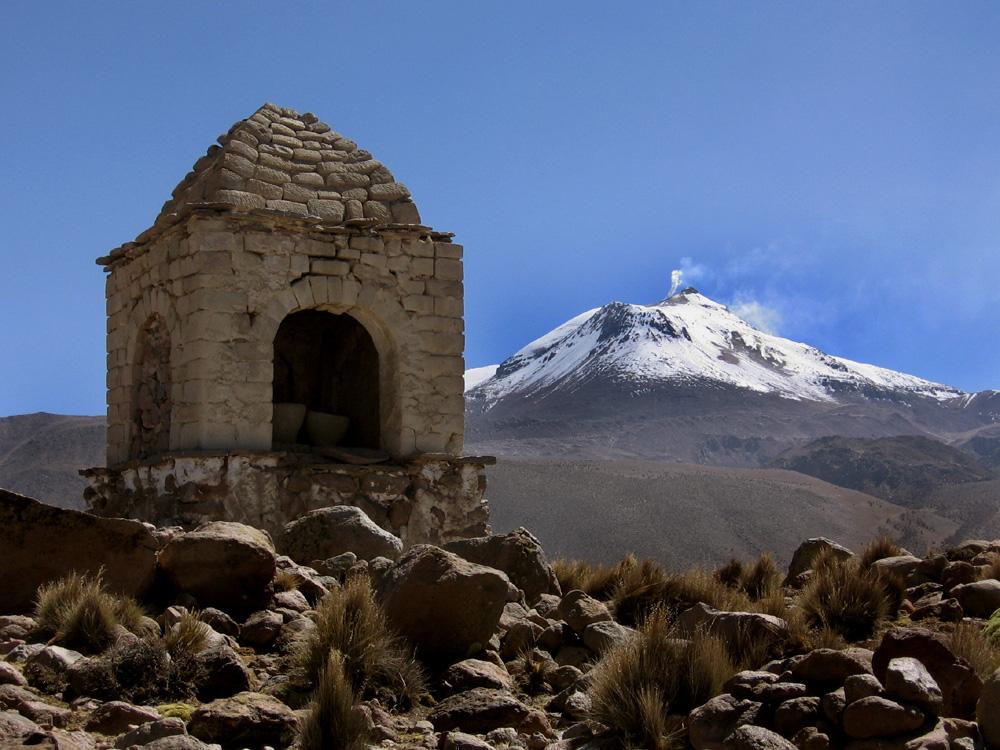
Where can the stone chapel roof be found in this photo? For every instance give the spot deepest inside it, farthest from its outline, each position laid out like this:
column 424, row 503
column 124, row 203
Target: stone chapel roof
column 279, row 161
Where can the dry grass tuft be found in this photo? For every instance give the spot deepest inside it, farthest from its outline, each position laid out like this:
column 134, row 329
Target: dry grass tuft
column 529, row 670
column 977, row 646
column 187, row 637
column 636, row 684
column 80, row 614
column 597, row 581
column 991, row 569
column 332, row 722
column 879, row 549
column 730, row 574
column 349, row 621
column 286, row 580
column 845, row 598
column 763, row 579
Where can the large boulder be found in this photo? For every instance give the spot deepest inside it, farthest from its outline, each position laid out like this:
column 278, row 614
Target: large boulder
column 879, row 717
column 979, row 598
column 479, row 710
column 960, row 686
column 579, row 610
column 518, row 554
column 41, row 543
column 831, row 667
column 710, row 724
column 221, row 564
column 988, row 711
column 329, row 532
column 447, row 607
column 907, row 680
column 733, row 627
column 245, row 720
column 809, row 550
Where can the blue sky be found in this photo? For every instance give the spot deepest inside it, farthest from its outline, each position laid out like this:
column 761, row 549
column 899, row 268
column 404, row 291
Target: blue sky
column 831, row 168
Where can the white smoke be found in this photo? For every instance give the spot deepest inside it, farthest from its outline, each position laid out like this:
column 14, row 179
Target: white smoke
column 675, row 281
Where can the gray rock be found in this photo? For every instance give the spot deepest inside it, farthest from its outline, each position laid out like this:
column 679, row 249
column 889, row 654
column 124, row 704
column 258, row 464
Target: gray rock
column 463, row 741
column 328, row 532
column 479, row 710
column 829, row 667
column 879, row 717
column 222, row 564
column 711, row 724
column 261, row 628
column 988, row 711
column 13, row 725
column 518, row 554
column 733, row 626
column 150, row 731
column 749, row 737
column 115, row 717
column 809, row 550
column 859, row 686
column 10, row 675
column 244, row 720
column 600, row 636
column 473, row 673
column 446, row 606
column 578, row 610
column 978, row 599
column 907, row 680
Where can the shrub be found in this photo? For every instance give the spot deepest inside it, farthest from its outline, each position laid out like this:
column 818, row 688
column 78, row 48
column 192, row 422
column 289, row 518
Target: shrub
column 763, row 579
column 730, row 574
column 350, row 622
column 187, row 637
column 637, row 591
column 287, row 580
column 637, row 683
column 332, row 723
column 879, row 549
column 80, row 614
column 597, row 581
column 530, row 668
column 978, row 646
column 845, row 598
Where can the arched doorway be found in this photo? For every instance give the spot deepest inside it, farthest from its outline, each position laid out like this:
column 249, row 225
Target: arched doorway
column 328, row 363
column 151, row 405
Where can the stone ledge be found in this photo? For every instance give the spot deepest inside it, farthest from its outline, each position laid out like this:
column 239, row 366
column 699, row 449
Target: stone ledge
column 431, row 498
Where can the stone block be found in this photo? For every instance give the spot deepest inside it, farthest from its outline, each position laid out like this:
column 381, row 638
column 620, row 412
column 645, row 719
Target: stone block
column 422, row 267
column 331, row 210
column 447, row 269
column 273, row 176
column 330, row 267
column 288, row 207
column 297, row 193
column 447, row 250
column 264, row 189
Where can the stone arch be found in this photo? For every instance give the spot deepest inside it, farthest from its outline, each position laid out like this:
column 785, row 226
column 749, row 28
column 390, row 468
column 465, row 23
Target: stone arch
column 385, row 321
column 339, row 362
column 151, row 402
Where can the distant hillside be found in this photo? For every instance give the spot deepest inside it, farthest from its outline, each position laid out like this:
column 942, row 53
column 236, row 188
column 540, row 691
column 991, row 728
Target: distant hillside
column 40, row 455
column 903, row 469
column 984, row 444
column 683, row 514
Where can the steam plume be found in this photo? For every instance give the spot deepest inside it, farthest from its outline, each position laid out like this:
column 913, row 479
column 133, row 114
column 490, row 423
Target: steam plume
column 675, row 281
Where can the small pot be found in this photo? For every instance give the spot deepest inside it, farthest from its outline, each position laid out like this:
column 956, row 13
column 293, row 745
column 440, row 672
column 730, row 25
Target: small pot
column 326, row 429
column 286, row 421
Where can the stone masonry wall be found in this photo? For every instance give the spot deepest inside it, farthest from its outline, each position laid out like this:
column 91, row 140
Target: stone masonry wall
column 222, row 282
column 432, row 499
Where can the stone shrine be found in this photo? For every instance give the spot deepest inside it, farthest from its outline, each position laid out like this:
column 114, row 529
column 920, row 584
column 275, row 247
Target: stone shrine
column 288, row 336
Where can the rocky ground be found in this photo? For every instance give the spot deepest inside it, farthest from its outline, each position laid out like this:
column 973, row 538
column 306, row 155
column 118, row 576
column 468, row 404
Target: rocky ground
column 491, row 645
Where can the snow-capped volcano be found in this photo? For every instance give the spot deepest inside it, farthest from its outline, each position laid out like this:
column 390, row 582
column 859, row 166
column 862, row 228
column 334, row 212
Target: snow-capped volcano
column 687, row 379
column 685, row 339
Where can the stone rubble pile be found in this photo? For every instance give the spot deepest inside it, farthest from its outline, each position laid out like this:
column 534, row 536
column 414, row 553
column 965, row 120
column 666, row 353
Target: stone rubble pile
column 510, row 655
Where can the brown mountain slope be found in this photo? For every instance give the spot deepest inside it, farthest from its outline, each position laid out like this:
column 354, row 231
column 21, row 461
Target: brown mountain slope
column 40, row 455
column 903, row 469
column 682, row 514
